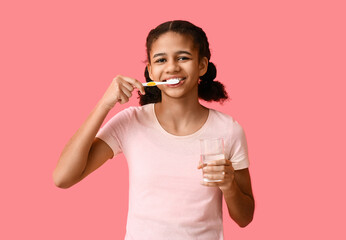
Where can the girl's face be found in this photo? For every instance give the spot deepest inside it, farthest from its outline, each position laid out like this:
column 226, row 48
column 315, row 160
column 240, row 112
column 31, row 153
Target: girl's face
column 173, row 55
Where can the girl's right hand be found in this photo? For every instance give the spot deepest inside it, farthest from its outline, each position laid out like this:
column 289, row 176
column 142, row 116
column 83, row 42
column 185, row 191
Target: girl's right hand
column 120, row 91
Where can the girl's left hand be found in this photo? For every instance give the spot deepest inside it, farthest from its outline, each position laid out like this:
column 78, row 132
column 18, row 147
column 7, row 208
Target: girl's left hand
column 218, row 170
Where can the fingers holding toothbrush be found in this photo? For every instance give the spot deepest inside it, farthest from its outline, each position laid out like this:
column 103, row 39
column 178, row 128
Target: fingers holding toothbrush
column 120, row 91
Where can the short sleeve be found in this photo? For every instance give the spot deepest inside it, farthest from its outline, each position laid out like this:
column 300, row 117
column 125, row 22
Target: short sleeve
column 113, row 132
column 239, row 150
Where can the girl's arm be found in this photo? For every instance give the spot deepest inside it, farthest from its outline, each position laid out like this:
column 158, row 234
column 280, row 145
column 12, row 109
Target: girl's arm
column 239, row 198
column 235, row 186
column 84, row 153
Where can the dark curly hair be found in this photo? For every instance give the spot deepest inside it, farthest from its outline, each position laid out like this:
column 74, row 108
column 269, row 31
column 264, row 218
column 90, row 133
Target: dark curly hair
column 208, row 89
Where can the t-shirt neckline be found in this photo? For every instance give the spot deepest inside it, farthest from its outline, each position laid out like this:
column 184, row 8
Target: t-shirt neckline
column 190, row 136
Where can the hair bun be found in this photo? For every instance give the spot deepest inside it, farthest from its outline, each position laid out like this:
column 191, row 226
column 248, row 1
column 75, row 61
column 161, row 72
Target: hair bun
column 210, row 75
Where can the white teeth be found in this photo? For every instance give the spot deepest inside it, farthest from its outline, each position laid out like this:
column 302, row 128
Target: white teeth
column 175, row 79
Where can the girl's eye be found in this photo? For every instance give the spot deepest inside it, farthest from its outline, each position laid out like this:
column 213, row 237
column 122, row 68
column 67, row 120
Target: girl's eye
column 160, row 60
column 183, row 58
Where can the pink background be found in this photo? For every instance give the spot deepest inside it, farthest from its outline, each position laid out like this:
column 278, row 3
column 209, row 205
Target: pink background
column 283, row 63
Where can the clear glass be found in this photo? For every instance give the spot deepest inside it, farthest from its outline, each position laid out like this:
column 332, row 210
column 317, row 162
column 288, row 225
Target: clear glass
column 212, row 149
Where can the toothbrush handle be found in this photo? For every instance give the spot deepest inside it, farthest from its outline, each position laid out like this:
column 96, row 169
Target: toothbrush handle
column 152, row 84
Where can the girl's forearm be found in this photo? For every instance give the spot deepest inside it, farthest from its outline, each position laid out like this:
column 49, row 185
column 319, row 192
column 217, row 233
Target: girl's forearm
column 240, row 206
column 74, row 156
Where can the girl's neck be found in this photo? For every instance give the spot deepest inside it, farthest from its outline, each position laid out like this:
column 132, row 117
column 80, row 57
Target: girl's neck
column 180, row 117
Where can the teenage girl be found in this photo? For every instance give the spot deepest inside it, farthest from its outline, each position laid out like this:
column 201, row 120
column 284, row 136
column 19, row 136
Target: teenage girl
column 160, row 140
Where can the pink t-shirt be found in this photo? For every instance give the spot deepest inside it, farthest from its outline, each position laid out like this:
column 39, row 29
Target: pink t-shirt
column 166, row 199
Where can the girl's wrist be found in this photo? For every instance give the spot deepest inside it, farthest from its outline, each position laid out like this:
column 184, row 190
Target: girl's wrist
column 104, row 106
column 230, row 189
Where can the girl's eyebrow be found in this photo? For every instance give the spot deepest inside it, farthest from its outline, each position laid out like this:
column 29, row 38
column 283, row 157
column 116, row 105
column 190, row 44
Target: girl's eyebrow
column 159, row 54
column 178, row 52
column 184, row 52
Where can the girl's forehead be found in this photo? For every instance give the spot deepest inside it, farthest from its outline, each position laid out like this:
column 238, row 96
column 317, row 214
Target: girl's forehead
column 172, row 42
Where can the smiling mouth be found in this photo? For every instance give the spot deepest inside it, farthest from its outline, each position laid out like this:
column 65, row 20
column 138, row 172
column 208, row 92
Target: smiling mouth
column 178, row 79
column 181, row 81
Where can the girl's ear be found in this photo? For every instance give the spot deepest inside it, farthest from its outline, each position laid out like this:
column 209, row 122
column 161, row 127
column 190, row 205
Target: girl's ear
column 203, row 66
column 149, row 71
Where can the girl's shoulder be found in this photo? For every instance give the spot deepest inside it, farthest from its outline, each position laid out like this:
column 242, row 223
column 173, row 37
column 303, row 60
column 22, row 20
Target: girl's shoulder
column 133, row 115
column 219, row 118
column 135, row 111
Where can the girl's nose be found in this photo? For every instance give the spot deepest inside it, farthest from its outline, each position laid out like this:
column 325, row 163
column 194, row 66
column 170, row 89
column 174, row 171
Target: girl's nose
column 172, row 67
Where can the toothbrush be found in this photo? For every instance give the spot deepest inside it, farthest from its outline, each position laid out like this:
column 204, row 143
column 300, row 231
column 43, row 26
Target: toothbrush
column 170, row 81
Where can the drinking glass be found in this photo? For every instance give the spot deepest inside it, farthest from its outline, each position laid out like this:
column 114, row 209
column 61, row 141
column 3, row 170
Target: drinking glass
column 212, row 149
